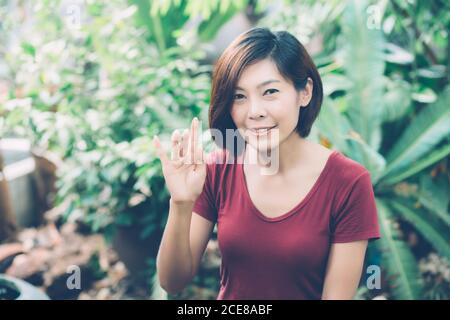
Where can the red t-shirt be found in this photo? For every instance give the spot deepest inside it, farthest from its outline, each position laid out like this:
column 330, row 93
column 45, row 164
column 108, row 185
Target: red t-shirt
column 285, row 257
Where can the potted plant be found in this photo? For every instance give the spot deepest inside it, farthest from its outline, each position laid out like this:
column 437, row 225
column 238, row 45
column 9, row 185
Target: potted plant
column 7, row 220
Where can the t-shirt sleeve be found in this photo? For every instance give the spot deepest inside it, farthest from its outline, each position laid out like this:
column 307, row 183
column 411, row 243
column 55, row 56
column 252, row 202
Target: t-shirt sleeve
column 357, row 218
column 205, row 205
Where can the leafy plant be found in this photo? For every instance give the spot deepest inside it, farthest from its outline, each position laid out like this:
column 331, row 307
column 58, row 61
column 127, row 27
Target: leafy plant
column 97, row 95
column 97, row 91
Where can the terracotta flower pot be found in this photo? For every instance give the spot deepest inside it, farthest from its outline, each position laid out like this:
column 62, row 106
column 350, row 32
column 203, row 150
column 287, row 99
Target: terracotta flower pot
column 134, row 251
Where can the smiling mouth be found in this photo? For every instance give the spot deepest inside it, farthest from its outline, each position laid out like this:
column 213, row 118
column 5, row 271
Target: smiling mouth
column 261, row 131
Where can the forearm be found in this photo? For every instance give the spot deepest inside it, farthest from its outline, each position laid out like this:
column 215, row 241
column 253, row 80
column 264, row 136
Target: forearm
column 344, row 270
column 174, row 262
column 343, row 292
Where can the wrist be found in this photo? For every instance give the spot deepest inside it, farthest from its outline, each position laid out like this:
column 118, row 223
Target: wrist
column 181, row 203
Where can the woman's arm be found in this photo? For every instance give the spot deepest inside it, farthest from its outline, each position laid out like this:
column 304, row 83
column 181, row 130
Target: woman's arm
column 185, row 235
column 344, row 270
column 184, row 241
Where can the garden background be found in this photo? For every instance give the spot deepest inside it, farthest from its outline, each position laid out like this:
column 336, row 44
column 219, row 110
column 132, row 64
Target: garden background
column 84, row 86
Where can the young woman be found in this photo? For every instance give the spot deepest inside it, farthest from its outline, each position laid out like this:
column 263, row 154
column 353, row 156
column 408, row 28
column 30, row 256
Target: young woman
column 301, row 231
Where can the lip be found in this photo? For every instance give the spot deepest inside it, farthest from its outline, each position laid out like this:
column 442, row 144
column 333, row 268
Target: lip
column 261, row 130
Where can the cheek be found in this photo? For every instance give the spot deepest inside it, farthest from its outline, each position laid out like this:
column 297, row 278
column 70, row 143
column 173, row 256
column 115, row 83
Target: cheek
column 287, row 115
column 238, row 115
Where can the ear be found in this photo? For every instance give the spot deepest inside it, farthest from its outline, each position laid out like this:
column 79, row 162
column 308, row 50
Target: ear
column 305, row 94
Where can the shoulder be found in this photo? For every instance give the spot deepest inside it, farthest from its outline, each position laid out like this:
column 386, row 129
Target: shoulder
column 350, row 185
column 346, row 170
column 348, row 178
column 339, row 167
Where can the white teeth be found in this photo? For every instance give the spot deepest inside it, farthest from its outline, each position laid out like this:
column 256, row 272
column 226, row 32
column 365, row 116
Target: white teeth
column 261, row 131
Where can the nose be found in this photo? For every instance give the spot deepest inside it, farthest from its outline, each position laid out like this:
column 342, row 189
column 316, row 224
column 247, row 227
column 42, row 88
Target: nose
column 256, row 111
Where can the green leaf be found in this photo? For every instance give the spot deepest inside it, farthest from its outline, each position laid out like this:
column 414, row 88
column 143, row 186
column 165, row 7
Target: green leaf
column 434, row 72
column 28, row 48
column 425, row 228
column 424, row 95
column 397, row 258
column 171, row 121
column 397, row 100
column 435, row 197
column 364, row 65
column 208, row 29
column 426, row 130
column 398, row 55
column 424, row 162
column 333, row 125
column 368, row 157
column 333, row 82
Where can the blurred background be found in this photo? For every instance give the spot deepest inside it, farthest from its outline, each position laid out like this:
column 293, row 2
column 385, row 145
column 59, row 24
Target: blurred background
column 84, row 86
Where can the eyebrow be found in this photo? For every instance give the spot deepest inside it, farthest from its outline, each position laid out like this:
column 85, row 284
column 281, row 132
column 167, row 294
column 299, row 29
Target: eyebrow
column 261, row 84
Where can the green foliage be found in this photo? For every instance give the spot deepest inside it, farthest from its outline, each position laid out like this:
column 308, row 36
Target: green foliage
column 433, row 195
column 423, row 133
column 424, row 226
column 165, row 20
column 400, row 264
column 97, row 93
column 97, row 96
column 362, row 56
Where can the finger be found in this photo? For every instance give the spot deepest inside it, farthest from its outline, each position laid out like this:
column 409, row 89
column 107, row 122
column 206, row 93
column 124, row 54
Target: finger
column 160, row 150
column 199, row 156
column 184, row 143
column 198, row 144
column 192, row 140
column 176, row 145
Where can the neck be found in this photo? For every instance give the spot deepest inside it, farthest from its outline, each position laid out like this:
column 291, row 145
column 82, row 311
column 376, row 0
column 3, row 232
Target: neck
column 288, row 154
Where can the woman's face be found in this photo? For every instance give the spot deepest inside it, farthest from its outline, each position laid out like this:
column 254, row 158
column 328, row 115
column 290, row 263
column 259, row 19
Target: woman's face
column 266, row 105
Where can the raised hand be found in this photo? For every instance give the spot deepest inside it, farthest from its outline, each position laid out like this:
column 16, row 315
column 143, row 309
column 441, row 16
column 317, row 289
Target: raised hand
column 185, row 171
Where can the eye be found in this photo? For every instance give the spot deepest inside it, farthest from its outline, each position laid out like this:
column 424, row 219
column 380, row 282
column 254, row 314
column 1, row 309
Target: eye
column 271, row 91
column 238, row 96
